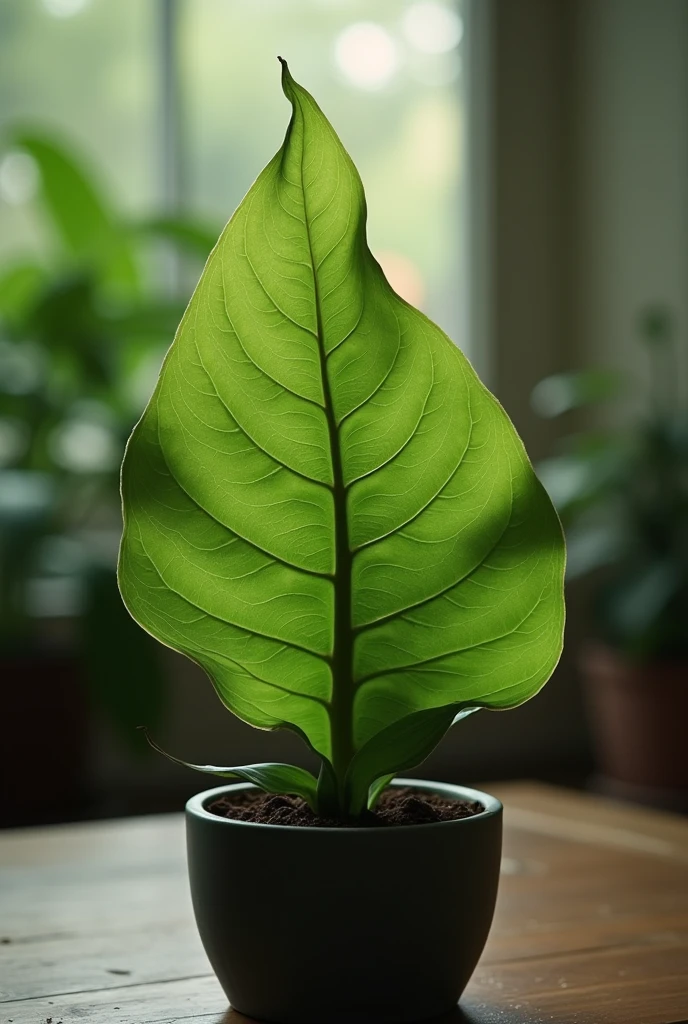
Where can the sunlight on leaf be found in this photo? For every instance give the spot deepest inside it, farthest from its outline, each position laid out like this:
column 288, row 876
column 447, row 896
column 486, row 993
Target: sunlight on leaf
column 324, row 507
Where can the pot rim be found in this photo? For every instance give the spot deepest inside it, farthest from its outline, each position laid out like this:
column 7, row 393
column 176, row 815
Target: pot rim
column 195, row 808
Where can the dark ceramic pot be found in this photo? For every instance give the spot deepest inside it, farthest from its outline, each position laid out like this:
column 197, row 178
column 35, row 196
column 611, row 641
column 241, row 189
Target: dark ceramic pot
column 327, row 925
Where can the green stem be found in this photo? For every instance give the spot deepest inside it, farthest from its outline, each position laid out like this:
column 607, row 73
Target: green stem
column 341, row 707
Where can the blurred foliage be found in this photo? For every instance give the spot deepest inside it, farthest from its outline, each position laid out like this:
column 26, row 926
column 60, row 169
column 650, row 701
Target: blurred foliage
column 96, row 76
column 84, row 325
column 82, row 334
column 622, row 494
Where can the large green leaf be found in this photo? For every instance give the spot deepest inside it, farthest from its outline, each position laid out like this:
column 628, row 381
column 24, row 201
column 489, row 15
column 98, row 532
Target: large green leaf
column 324, row 507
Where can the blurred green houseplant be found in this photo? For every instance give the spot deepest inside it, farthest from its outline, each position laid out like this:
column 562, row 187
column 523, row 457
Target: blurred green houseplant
column 82, row 332
column 623, row 496
column 622, row 493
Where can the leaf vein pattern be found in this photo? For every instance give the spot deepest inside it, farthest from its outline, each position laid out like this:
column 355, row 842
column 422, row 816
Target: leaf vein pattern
column 429, row 502
column 218, row 618
column 247, row 540
column 445, row 590
column 483, row 645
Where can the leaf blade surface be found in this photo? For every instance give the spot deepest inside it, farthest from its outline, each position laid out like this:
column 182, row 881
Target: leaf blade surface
column 324, row 507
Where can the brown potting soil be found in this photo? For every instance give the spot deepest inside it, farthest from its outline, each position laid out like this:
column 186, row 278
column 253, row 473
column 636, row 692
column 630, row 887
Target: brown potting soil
column 397, row 806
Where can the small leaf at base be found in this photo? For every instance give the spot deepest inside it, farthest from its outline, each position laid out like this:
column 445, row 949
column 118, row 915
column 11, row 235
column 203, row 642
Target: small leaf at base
column 402, row 745
column 273, row 778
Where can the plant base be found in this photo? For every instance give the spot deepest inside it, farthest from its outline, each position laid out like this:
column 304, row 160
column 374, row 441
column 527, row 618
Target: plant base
column 344, row 925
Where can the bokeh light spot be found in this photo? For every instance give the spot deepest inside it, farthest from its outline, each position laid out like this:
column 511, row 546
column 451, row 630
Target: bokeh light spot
column 19, row 178
column 83, row 447
column 65, row 8
column 367, row 55
column 403, row 275
column 432, row 27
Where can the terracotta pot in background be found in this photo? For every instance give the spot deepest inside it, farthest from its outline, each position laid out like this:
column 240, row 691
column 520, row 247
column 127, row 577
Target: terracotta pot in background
column 639, row 720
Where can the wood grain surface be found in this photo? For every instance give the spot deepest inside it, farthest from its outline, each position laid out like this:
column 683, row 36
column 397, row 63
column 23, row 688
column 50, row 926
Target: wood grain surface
column 591, row 925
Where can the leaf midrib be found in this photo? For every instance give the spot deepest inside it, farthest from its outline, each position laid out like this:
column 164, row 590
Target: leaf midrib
column 341, row 707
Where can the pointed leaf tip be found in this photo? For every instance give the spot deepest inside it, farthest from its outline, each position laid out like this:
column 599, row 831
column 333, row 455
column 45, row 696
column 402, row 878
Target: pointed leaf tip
column 286, row 74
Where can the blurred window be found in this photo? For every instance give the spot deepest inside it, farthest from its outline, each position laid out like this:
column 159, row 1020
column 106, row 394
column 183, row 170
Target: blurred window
column 388, row 75
column 83, row 72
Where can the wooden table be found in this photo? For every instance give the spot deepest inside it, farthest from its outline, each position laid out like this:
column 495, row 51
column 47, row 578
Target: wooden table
column 591, row 924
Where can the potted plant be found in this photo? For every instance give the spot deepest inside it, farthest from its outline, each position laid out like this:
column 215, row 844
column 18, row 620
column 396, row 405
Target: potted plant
column 79, row 328
column 622, row 492
column 327, row 511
